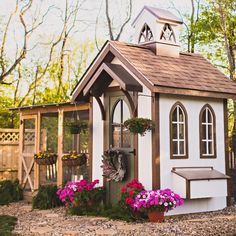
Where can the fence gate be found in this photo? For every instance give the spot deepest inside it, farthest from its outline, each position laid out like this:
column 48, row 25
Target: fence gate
column 28, row 131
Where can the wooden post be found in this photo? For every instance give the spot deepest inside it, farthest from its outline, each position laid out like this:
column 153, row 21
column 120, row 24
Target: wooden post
column 60, row 147
column 37, row 149
column 21, row 140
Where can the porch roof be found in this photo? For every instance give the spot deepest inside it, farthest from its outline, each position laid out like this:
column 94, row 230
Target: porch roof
column 106, row 74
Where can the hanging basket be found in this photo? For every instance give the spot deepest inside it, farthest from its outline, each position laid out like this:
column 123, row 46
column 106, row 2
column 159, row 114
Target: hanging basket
column 76, row 160
column 77, row 127
column 139, row 125
column 45, row 158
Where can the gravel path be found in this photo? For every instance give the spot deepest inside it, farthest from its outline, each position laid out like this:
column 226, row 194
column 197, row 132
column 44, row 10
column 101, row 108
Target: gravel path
column 55, row 222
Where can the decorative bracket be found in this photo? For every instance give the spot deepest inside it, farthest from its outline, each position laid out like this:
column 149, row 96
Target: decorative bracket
column 101, row 106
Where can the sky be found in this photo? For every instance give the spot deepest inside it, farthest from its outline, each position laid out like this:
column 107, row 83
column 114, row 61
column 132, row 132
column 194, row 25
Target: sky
column 90, row 12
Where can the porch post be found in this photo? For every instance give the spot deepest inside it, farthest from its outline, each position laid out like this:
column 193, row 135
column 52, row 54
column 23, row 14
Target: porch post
column 20, row 149
column 60, row 147
column 37, row 143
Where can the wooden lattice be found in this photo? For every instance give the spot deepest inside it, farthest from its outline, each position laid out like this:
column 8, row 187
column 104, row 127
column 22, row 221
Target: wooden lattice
column 29, row 136
column 9, row 136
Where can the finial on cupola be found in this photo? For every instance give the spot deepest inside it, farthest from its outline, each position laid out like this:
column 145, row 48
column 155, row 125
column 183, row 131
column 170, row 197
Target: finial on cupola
column 158, row 29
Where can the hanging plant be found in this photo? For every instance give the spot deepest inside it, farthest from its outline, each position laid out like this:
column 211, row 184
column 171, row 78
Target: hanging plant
column 76, row 127
column 139, row 125
column 114, row 165
column 74, row 159
column 45, row 158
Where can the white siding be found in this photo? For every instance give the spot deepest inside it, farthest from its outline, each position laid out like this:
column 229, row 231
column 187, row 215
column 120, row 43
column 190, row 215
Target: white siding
column 98, row 141
column 193, row 106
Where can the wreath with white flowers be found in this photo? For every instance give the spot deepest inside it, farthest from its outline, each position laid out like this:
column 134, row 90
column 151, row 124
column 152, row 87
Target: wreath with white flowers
column 114, row 165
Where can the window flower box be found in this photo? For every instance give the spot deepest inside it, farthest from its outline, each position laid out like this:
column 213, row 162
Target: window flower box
column 74, row 159
column 45, row 158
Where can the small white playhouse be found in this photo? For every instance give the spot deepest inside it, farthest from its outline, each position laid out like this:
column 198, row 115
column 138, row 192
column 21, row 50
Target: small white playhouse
column 182, row 93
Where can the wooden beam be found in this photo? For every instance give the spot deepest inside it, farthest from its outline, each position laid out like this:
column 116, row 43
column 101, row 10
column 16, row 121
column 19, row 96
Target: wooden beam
column 90, row 144
column 60, row 147
column 37, row 140
column 226, row 139
column 21, row 140
column 102, row 109
column 155, row 142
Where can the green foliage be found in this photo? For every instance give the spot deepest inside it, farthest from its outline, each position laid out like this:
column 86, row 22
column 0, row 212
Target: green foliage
column 10, row 191
column 7, row 224
column 46, row 198
column 139, row 125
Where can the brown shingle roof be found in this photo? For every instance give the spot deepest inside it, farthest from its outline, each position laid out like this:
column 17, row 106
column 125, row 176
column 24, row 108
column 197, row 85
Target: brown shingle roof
column 188, row 71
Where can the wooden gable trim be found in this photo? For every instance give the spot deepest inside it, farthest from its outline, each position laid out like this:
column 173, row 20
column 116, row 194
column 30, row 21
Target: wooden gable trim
column 192, row 92
column 116, row 72
column 102, row 56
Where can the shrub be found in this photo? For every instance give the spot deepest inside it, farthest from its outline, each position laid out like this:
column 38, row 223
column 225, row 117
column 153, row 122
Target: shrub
column 7, row 224
column 10, row 191
column 46, row 198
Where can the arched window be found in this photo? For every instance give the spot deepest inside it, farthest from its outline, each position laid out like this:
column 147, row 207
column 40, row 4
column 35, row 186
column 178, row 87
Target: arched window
column 145, row 34
column 178, row 132
column 120, row 135
column 207, row 132
column 167, row 33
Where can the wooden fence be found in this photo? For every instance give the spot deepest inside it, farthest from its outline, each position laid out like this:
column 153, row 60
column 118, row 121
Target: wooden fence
column 9, row 153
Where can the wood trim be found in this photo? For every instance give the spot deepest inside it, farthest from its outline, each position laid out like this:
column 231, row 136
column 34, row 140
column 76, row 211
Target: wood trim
column 186, row 131
column 34, row 111
column 101, row 106
column 200, row 132
column 188, row 192
column 60, row 147
column 131, row 102
column 191, row 92
column 131, row 68
column 36, row 166
column 91, row 139
column 21, row 138
column 156, row 142
column 135, row 137
column 91, row 70
column 226, row 139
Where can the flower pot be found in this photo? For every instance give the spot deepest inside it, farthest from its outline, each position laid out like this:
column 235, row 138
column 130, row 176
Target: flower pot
column 50, row 160
column 156, row 216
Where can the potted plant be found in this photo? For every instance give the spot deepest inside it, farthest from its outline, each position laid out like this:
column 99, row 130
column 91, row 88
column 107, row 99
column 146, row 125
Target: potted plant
column 128, row 195
column 74, row 159
column 139, row 125
column 82, row 196
column 45, row 158
column 156, row 202
column 78, row 126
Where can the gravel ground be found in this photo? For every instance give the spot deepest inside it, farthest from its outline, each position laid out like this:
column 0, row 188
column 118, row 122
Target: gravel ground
column 55, row 222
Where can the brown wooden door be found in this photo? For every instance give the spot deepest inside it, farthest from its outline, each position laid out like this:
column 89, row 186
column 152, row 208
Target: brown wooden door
column 119, row 137
column 27, row 151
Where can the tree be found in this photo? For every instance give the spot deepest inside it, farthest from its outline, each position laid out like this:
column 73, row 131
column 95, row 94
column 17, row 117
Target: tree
column 217, row 30
column 9, row 65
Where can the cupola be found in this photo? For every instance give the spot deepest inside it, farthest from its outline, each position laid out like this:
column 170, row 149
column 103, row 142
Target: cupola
column 158, row 29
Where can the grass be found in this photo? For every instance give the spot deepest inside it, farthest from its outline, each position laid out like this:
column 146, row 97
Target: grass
column 7, row 224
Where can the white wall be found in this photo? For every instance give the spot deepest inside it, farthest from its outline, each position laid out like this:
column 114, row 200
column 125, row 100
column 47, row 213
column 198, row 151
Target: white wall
column 98, row 141
column 145, row 142
column 193, row 107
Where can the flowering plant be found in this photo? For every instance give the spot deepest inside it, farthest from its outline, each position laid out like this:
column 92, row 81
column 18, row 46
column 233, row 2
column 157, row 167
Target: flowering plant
column 139, row 125
column 160, row 200
column 81, row 194
column 129, row 193
column 74, row 158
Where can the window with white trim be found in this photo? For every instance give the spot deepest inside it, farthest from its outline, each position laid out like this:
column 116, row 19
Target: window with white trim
column 178, row 132
column 207, row 132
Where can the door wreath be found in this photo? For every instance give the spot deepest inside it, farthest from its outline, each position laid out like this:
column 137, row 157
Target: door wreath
column 114, row 165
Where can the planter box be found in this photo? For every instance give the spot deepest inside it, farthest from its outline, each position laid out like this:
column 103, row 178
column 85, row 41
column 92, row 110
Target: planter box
column 199, row 182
